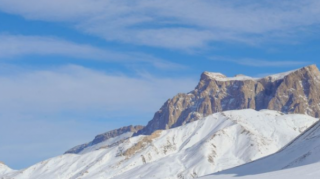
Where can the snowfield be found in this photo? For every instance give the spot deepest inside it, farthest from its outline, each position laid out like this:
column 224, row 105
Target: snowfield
column 303, row 172
column 300, row 159
column 215, row 143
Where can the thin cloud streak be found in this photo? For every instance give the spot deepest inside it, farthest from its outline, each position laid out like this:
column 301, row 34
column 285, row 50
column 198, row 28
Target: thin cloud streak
column 18, row 45
column 11, row 45
column 261, row 63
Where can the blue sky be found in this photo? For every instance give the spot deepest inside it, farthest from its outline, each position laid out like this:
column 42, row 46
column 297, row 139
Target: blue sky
column 70, row 70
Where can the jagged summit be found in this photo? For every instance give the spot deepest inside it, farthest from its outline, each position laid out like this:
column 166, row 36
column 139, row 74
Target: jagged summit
column 211, row 75
column 295, row 91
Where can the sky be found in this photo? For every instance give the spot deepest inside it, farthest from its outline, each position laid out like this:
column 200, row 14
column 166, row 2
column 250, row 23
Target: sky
column 70, row 70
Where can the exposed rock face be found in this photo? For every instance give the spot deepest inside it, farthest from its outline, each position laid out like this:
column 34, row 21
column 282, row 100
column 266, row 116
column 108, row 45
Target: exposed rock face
column 105, row 136
column 292, row 92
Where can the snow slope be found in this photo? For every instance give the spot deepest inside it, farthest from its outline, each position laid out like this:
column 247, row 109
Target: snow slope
column 300, row 159
column 108, row 142
column 4, row 169
column 217, row 142
column 103, row 139
column 303, row 172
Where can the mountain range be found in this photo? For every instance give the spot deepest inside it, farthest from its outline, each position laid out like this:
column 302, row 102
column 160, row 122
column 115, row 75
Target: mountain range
column 268, row 124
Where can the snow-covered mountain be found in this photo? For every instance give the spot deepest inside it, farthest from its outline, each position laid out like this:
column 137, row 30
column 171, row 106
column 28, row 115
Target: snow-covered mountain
column 217, row 142
column 290, row 92
column 299, row 159
column 187, row 138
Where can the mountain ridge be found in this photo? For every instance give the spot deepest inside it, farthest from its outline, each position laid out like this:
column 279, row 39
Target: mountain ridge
column 287, row 92
column 217, row 142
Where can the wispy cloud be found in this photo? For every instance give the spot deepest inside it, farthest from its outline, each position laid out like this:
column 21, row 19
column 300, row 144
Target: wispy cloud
column 180, row 24
column 261, row 63
column 11, row 45
column 17, row 45
column 78, row 88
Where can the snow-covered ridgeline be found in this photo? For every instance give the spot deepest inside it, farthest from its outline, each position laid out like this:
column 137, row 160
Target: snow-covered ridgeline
column 217, row 142
column 221, row 77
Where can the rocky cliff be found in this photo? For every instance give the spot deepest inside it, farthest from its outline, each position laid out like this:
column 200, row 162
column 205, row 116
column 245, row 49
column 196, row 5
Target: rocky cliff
column 292, row 92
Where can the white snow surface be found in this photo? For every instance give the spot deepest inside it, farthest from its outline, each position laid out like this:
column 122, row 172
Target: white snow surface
column 299, row 159
column 303, row 172
column 108, row 142
column 215, row 143
column 4, row 169
column 221, row 77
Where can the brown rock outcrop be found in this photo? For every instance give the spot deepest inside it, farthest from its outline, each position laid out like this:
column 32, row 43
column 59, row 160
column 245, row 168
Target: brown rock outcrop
column 292, row 92
column 142, row 143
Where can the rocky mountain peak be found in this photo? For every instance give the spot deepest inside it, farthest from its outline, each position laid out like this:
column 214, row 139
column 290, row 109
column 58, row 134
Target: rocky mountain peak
column 311, row 68
column 295, row 91
column 209, row 76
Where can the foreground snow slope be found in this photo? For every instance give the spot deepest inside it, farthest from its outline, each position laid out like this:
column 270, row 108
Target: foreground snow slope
column 303, row 172
column 300, row 159
column 217, row 142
